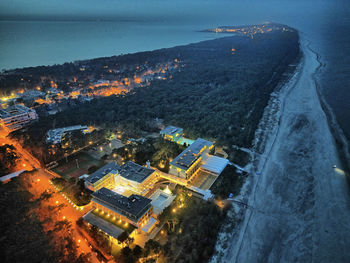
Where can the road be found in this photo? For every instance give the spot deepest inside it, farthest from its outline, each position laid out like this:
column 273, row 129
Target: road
column 27, row 161
column 40, row 183
column 301, row 203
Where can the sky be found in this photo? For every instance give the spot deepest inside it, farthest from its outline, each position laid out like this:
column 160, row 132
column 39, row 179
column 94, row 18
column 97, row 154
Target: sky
column 109, row 8
column 134, row 9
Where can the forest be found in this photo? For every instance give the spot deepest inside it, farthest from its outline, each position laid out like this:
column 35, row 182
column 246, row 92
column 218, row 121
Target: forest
column 218, row 94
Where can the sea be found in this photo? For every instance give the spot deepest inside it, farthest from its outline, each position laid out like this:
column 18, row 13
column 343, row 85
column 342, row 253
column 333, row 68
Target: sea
column 325, row 23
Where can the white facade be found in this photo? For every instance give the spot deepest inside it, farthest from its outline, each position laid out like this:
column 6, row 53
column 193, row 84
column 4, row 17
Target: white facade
column 16, row 117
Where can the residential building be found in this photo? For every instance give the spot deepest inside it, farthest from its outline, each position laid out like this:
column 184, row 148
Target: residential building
column 172, row 133
column 189, row 161
column 135, row 209
column 16, row 117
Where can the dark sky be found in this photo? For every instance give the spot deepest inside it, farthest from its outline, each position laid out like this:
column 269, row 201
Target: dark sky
column 138, row 9
column 110, row 8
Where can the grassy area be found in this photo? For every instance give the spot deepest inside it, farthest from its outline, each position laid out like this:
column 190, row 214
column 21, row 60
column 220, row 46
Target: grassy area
column 77, row 165
column 128, row 228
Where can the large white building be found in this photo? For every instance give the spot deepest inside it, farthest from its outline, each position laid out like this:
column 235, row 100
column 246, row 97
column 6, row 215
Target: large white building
column 16, row 117
column 55, row 136
column 128, row 178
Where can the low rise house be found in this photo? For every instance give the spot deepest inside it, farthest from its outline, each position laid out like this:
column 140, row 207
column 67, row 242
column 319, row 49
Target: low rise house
column 16, row 117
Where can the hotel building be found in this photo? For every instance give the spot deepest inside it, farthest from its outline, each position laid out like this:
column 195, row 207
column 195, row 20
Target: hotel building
column 16, row 117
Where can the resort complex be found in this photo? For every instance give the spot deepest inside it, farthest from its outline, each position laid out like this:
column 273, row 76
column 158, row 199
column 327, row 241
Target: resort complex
column 129, row 197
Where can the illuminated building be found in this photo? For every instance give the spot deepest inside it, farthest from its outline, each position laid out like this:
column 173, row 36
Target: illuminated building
column 130, row 176
column 103, row 177
column 135, row 177
column 172, row 133
column 16, row 117
column 189, row 161
column 135, row 209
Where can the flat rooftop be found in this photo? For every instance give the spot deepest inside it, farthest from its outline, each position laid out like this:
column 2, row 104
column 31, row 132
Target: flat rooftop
column 214, row 164
column 14, row 110
column 103, row 171
column 135, row 172
column 185, row 159
column 104, row 225
column 132, row 207
column 171, row 130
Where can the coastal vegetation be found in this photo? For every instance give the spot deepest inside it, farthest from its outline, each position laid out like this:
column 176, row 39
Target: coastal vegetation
column 218, row 94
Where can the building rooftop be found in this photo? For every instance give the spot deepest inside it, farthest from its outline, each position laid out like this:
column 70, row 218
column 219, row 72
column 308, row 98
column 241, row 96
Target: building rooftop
column 55, row 135
column 135, row 172
column 133, row 207
column 94, row 177
column 185, row 159
column 14, row 111
column 171, row 130
column 104, row 225
column 214, row 164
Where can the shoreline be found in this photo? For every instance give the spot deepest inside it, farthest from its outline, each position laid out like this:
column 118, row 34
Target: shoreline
column 341, row 141
column 255, row 238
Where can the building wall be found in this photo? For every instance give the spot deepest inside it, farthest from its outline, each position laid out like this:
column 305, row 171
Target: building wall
column 19, row 121
column 186, row 174
column 107, row 181
column 139, row 224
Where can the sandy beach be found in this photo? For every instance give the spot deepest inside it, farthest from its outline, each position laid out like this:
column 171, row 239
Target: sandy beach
column 298, row 202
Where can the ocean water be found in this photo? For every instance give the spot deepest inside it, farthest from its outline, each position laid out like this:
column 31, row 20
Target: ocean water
column 35, row 43
column 326, row 23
